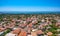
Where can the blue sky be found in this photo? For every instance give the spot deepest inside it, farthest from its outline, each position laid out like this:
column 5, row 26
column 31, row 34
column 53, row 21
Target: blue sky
column 29, row 5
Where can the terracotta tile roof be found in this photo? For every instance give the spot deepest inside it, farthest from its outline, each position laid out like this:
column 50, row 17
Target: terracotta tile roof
column 39, row 32
column 33, row 33
column 49, row 33
column 1, row 29
column 23, row 33
column 16, row 31
column 30, row 25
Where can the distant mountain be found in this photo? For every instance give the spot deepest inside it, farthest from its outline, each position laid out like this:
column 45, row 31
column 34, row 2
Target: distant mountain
column 2, row 13
column 41, row 12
